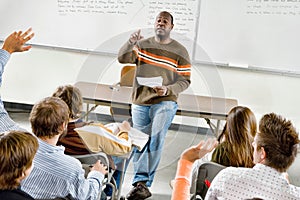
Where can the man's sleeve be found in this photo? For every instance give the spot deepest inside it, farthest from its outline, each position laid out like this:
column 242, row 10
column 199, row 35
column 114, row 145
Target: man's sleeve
column 87, row 188
column 126, row 54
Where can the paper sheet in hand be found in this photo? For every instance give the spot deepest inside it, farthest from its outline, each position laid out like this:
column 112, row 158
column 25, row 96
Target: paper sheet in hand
column 150, row 81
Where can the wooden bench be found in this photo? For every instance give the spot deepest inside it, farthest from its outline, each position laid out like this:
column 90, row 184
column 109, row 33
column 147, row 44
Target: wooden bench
column 188, row 105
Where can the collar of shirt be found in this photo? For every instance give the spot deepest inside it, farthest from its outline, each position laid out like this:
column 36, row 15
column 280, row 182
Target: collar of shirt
column 269, row 170
column 44, row 147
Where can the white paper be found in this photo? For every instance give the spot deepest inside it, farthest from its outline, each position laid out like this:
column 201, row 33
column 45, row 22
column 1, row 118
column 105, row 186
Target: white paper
column 102, row 132
column 150, row 81
column 138, row 138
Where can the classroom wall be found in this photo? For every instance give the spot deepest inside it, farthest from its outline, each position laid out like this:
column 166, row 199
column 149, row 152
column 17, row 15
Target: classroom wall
column 35, row 74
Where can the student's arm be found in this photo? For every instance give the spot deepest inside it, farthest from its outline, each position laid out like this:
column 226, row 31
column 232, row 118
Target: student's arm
column 181, row 190
column 90, row 187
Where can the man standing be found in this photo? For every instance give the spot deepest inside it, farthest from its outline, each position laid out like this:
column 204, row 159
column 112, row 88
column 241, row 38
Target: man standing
column 154, row 107
column 13, row 43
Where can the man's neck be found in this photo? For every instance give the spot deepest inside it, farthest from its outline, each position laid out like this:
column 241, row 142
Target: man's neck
column 161, row 40
column 52, row 141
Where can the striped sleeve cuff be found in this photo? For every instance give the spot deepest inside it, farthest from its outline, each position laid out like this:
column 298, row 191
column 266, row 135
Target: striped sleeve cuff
column 4, row 57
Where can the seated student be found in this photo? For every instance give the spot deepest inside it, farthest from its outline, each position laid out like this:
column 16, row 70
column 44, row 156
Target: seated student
column 235, row 148
column 181, row 189
column 56, row 174
column 17, row 150
column 13, row 43
column 275, row 148
column 71, row 141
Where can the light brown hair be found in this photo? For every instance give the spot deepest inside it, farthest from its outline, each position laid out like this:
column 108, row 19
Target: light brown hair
column 239, row 134
column 279, row 139
column 48, row 116
column 17, row 150
column 71, row 95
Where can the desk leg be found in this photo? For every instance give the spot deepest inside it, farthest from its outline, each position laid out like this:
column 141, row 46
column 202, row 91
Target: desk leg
column 121, row 179
column 217, row 128
column 214, row 128
column 87, row 112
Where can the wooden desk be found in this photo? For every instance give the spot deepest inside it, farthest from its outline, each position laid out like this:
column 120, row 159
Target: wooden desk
column 188, row 105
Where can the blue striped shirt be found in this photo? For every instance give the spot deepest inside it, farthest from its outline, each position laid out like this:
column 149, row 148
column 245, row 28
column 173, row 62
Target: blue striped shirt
column 58, row 175
column 6, row 123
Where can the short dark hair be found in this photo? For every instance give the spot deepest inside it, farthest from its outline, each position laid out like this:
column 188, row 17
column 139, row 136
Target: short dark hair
column 279, row 139
column 47, row 116
column 17, row 150
column 167, row 13
column 71, row 95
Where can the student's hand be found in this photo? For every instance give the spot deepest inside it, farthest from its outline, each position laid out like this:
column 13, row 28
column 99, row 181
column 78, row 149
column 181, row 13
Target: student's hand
column 98, row 166
column 196, row 152
column 124, row 126
column 136, row 36
column 15, row 41
column 161, row 90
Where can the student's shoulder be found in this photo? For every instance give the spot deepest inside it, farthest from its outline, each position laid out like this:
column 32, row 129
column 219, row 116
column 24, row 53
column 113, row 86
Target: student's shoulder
column 231, row 172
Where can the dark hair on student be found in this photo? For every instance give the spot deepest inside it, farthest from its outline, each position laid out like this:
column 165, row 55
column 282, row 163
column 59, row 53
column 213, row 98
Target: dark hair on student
column 73, row 98
column 279, row 139
column 48, row 116
column 167, row 13
column 239, row 133
column 17, row 150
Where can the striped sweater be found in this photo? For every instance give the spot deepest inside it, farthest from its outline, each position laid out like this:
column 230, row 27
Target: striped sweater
column 170, row 61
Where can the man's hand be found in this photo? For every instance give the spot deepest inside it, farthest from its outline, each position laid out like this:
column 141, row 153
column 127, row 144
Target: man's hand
column 136, row 36
column 161, row 90
column 196, row 152
column 15, row 41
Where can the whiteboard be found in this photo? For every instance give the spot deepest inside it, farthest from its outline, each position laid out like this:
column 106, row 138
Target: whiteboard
column 254, row 34
column 95, row 25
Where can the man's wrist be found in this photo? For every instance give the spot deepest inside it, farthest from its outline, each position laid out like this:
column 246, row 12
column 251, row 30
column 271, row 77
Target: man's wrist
column 131, row 43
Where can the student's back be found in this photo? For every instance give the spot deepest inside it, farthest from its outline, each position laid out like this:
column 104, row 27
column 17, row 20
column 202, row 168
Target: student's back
column 56, row 174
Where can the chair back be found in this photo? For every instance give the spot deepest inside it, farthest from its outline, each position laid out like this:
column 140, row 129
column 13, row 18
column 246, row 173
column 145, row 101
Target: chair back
column 127, row 75
column 92, row 158
column 126, row 80
column 206, row 173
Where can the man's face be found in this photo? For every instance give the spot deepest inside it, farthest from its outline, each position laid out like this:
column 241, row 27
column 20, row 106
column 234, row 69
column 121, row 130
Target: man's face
column 163, row 25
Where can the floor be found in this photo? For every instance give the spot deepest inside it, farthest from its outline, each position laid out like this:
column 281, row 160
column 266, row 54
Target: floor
column 176, row 142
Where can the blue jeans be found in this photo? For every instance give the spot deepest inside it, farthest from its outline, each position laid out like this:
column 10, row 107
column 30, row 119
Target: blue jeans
column 153, row 120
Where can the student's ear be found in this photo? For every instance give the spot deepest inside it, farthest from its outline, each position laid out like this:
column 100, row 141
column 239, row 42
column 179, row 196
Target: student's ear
column 63, row 127
column 263, row 153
